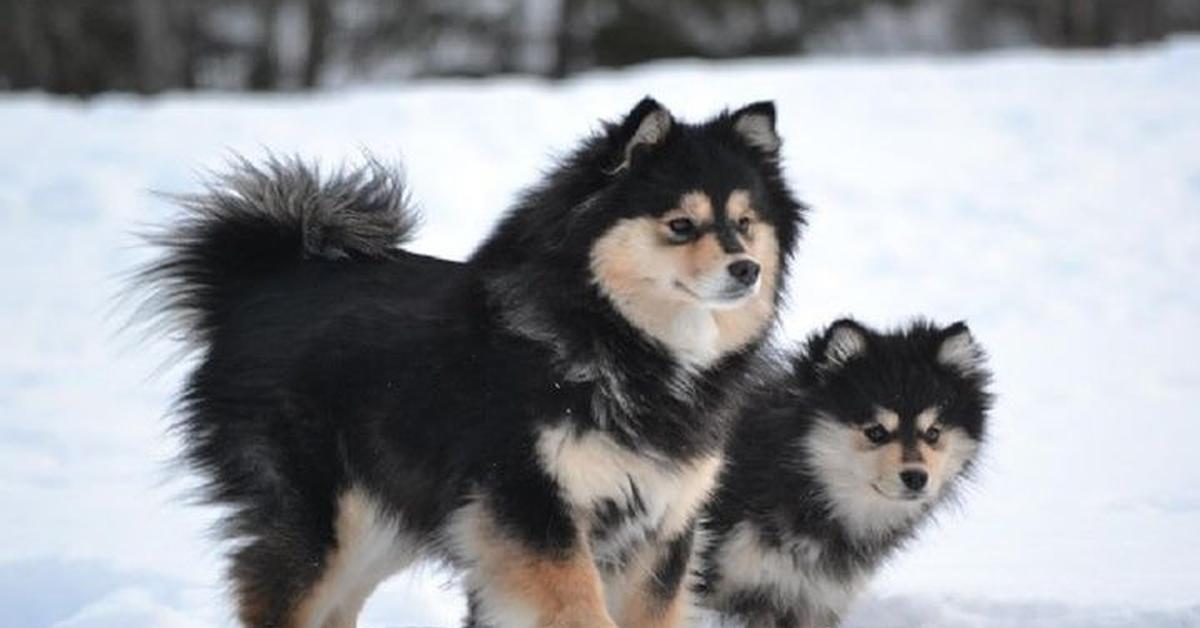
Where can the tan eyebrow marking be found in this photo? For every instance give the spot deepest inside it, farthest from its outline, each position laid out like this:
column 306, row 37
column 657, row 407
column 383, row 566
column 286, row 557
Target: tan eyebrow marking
column 695, row 205
column 927, row 418
column 738, row 206
column 887, row 418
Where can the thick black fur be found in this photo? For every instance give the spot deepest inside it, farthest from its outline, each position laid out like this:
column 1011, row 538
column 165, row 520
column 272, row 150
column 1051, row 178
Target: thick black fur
column 332, row 359
column 771, row 484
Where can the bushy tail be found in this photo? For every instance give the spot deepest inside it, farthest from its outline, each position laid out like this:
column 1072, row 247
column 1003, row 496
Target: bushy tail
column 259, row 219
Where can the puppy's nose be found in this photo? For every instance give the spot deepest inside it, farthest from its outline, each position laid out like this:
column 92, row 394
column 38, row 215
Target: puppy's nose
column 914, row 479
column 745, row 271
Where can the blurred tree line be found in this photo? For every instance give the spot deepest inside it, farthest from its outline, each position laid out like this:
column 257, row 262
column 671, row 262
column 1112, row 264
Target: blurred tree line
column 89, row 46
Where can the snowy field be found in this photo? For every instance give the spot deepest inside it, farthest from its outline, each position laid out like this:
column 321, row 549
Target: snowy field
column 1053, row 201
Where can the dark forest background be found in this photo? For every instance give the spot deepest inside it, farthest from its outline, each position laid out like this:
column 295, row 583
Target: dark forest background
column 90, row 46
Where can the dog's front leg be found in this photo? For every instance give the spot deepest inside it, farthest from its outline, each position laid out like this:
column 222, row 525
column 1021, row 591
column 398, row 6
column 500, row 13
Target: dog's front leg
column 523, row 575
column 652, row 593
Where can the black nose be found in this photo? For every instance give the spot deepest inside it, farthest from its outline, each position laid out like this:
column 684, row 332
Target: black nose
column 745, row 271
column 914, row 480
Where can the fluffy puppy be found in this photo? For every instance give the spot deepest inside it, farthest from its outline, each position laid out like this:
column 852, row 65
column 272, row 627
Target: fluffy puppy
column 548, row 417
column 831, row 472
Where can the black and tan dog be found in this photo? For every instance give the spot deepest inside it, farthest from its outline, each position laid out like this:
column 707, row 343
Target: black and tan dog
column 833, row 468
column 548, row 418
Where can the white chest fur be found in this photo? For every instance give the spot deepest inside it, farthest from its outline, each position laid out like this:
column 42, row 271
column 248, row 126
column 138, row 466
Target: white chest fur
column 792, row 573
column 592, row 470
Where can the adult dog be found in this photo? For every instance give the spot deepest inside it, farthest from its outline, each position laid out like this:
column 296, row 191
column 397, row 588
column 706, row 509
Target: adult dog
column 548, row 418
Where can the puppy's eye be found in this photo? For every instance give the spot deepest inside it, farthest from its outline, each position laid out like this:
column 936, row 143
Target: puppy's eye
column 876, row 434
column 743, row 225
column 932, row 435
column 682, row 228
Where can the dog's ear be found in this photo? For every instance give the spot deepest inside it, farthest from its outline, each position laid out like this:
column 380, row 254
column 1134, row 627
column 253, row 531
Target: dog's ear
column 755, row 124
column 958, row 350
column 845, row 340
column 645, row 127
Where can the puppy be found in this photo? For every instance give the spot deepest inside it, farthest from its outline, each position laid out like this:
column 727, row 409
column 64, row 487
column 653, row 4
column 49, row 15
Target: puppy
column 830, row 472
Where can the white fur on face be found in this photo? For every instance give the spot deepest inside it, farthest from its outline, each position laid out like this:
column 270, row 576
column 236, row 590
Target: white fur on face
column 862, row 481
column 716, row 289
column 942, row 461
column 683, row 295
column 849, row 473
column 700, row 269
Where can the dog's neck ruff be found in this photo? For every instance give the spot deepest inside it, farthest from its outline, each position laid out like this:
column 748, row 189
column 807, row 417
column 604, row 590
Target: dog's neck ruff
column 689, row 338
column 637, row 390
column 692, row 336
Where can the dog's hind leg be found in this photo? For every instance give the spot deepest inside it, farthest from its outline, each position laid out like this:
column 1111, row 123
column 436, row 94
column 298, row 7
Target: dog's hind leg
column 370, row 546
column 269, row 574
column 291, row 581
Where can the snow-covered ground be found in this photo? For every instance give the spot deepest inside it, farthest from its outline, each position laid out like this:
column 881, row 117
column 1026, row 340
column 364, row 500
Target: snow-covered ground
column 1053, row 201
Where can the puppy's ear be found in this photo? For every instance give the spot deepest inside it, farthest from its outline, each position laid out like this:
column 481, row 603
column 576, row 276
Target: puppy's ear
column 958, row 349
column 645, row 127
column 845, row 340
column 755, row 124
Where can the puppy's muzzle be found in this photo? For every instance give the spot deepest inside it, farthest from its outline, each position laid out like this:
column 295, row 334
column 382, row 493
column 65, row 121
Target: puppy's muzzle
column 914, row 479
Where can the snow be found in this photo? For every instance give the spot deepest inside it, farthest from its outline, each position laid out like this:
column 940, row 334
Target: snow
column 1051, row 200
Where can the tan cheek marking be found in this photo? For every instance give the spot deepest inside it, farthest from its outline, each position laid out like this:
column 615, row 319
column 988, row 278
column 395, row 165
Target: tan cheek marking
column 634, row 270
column 626, row 259
column 562, row 591
column 739, row 326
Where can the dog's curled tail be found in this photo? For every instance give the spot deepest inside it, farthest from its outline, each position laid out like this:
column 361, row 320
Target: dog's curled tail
column 259, row 219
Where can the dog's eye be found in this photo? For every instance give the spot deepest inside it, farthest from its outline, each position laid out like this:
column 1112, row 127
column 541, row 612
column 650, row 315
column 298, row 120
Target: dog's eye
column 876, row 434
column 743, row 225
column 682, row 228
column 932, row 435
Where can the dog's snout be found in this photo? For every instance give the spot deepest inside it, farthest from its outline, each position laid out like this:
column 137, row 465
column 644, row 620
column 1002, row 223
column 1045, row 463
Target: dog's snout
column 745, row 271
column 914, row 479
